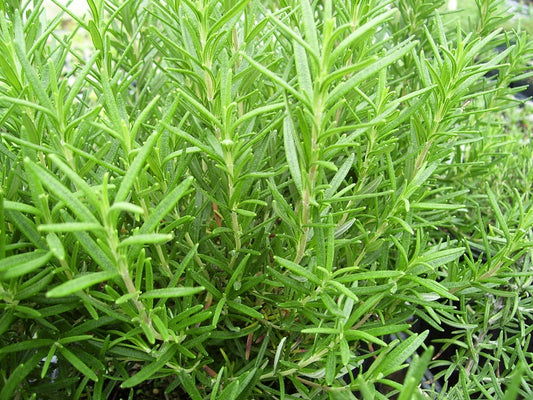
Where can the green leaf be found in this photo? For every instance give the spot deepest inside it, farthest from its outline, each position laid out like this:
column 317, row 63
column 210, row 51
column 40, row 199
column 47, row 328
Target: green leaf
column 415, row 374
column 26, row 227
column 195, row 142
column 277, row 356
column 438, row 258
column 78, row 83
column 298, row 270
column 150, row 369
column 405, row 349
column 431, row 285
column 199, row 108
column 95, row 36
column 341, row 48
column 364, row 308
column 78, row 364
column 349, row 276
column 19, row 374
column 60, row 191
column 362, row 335
column 96, row 251
column 70, row 227
column 139, row 161
column 277, row 79
column 322, row 331
column 25, row 103
column 76, row 179
column 227, row 16
column 80, row 283
column 436, row 206
column 158, row 213
column 302, row 69
column 25, row 208
column 399, row 51
column 331, row 367
column 513, row 387
column 237, row 274
column 310, row 28
column 21, row 264
column 498, row 213
column 190, row 385
column 247, row 383
column 136, row 166
column 35, row 83
column 171, row 292
column 143, row 116
column 343, row 290
column 148, row 238
column 257, row 111
column 26, row 345
column 289, row 138
column 56, row 246
column 244, row 309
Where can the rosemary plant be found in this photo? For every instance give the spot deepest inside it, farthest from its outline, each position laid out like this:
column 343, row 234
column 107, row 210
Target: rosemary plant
column 278, row 199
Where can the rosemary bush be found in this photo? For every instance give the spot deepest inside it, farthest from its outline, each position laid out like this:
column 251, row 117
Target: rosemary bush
column 264, row 200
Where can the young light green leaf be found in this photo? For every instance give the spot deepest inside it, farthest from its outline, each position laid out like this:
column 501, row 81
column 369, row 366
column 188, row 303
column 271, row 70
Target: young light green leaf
column 309, row 24
column 17, row 206
column 20, row 49
column 298, row 270
column 393, row 56
column 78, row 83
column 147, row 238
column 26, row 227
column 143, row 116
column 76, row 179
column 498, row 213
column 289, row 137
column 278, row 80
column 322, row 331
column 432, row 285
column 277, row 356
column 256, row 111
column 21, row 264
column 341, row 48
column 353, row 334
column 59, row 190
column 70, row 227
column 127, row 207
column 80, row 283
column 228, row 15
column 439, row 258
column 172, row 292
column 343, row 290
column 302, row 70
column 142, row 155
column 56, row 246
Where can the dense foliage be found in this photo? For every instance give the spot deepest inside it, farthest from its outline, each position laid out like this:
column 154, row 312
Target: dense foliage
column 264, row 200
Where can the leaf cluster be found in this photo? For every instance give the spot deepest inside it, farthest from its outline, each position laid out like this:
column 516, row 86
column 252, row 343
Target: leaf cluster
column 283, row 199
